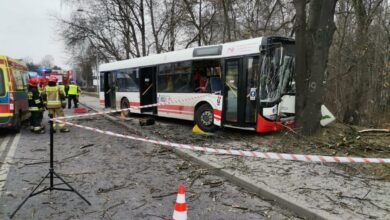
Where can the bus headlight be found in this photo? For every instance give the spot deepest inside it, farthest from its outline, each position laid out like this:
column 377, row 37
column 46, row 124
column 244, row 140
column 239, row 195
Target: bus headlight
column 271, row 117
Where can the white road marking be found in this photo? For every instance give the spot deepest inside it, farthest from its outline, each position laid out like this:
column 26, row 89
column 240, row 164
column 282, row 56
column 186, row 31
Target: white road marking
column 4, row 144
column 8, row 159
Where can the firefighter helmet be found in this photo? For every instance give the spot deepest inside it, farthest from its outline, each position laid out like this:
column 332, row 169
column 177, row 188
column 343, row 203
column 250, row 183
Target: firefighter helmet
column 52, row 79
column 33, row 82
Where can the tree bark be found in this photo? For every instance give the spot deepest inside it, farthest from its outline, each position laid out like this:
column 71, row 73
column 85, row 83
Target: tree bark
column 313, row 40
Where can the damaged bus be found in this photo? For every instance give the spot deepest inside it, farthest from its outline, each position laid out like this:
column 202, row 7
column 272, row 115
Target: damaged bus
column 246, row 84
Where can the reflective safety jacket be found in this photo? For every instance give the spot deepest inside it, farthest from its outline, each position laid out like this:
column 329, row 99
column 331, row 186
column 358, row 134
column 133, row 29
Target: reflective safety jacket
column 73, row 90
column 53, row 97
column 62, row 88
column 34, row 99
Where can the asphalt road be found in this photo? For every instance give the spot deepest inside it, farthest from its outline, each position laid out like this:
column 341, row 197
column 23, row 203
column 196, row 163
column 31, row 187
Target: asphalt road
column 122, row 179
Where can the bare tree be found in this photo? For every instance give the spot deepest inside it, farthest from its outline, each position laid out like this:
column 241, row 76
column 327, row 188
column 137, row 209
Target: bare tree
column 47, row 61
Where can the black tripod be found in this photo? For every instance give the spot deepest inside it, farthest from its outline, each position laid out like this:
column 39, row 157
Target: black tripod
column 51, row 173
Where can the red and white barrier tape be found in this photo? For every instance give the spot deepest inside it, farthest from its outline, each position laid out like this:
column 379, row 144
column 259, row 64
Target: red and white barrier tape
column 134, row 107
column 244, row 153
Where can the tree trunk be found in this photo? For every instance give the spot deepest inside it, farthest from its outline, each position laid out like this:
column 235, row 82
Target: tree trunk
column 154, row 31
column 200, row 24
column 313, row 40
column 143, row 35
column 172, row 27
column 226, row 28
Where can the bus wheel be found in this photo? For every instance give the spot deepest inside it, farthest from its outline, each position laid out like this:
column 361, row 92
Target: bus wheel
column 204, row 118
column 125, row 104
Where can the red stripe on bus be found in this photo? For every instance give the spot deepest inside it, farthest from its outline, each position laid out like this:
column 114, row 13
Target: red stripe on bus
column 175, row 112
column 134, row 104
column 176, row 107
column 217, row 112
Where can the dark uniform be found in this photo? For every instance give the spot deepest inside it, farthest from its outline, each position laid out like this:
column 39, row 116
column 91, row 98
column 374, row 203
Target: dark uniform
column 35, row 107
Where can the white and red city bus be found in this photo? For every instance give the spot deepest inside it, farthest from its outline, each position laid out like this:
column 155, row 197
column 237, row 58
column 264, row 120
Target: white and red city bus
column 246, row 84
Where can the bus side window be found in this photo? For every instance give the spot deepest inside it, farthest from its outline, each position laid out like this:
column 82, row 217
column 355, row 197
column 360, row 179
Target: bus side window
column 165, row 78
column 199, row 80
column 182, row 77
column 215, row 85
column 133, row 82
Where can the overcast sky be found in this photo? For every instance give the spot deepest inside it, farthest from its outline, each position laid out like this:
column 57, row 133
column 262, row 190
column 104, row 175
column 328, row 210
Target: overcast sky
column 28, row 29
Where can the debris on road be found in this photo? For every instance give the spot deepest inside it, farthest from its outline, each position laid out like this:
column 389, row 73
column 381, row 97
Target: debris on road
column 146, row 121
column 85, row 146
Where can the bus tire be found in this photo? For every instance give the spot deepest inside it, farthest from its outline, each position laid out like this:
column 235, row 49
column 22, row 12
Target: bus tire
column 125, row 104
column 204, row 118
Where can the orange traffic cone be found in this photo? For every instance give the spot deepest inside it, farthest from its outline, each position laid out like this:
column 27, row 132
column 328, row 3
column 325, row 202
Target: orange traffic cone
column 180, row 212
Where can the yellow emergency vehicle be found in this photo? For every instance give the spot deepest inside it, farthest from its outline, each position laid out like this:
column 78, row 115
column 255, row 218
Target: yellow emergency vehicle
column 13, row 93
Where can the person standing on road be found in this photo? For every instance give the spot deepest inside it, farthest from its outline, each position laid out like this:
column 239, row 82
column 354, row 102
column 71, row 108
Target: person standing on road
column 35, row 106
column 73, row 94
column 62, row 88
column 54, row 100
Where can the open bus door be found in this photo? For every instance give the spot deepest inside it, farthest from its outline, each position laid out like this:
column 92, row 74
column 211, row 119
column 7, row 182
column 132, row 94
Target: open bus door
column 109, row 90
column 148, row 93
column 240, row 92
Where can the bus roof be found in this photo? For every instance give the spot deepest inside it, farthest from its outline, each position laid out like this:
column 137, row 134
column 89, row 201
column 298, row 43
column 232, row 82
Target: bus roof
column 237, row 48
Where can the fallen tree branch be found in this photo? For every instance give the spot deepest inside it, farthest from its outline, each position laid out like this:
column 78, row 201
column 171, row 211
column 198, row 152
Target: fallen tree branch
column 85, row 146
column 75, row 174
column 165, row 195
column 35, row 163
column 76, row 155
column 111, row 207
column 137, row 207
column 101, row 190
column 375, row 130
column 311, row 140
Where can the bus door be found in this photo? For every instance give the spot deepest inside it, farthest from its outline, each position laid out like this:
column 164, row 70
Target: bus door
column 240, row 92
column 109, row 90
column 148, row 93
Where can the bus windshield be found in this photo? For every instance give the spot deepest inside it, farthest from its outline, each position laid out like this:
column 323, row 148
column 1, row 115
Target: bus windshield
column 2, row 83
column 277, row 73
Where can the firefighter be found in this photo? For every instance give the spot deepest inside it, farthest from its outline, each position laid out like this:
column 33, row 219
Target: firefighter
column 73, row 94
column 54, row 100
column 35, row 106
column 42, row 82
column 62, row 88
